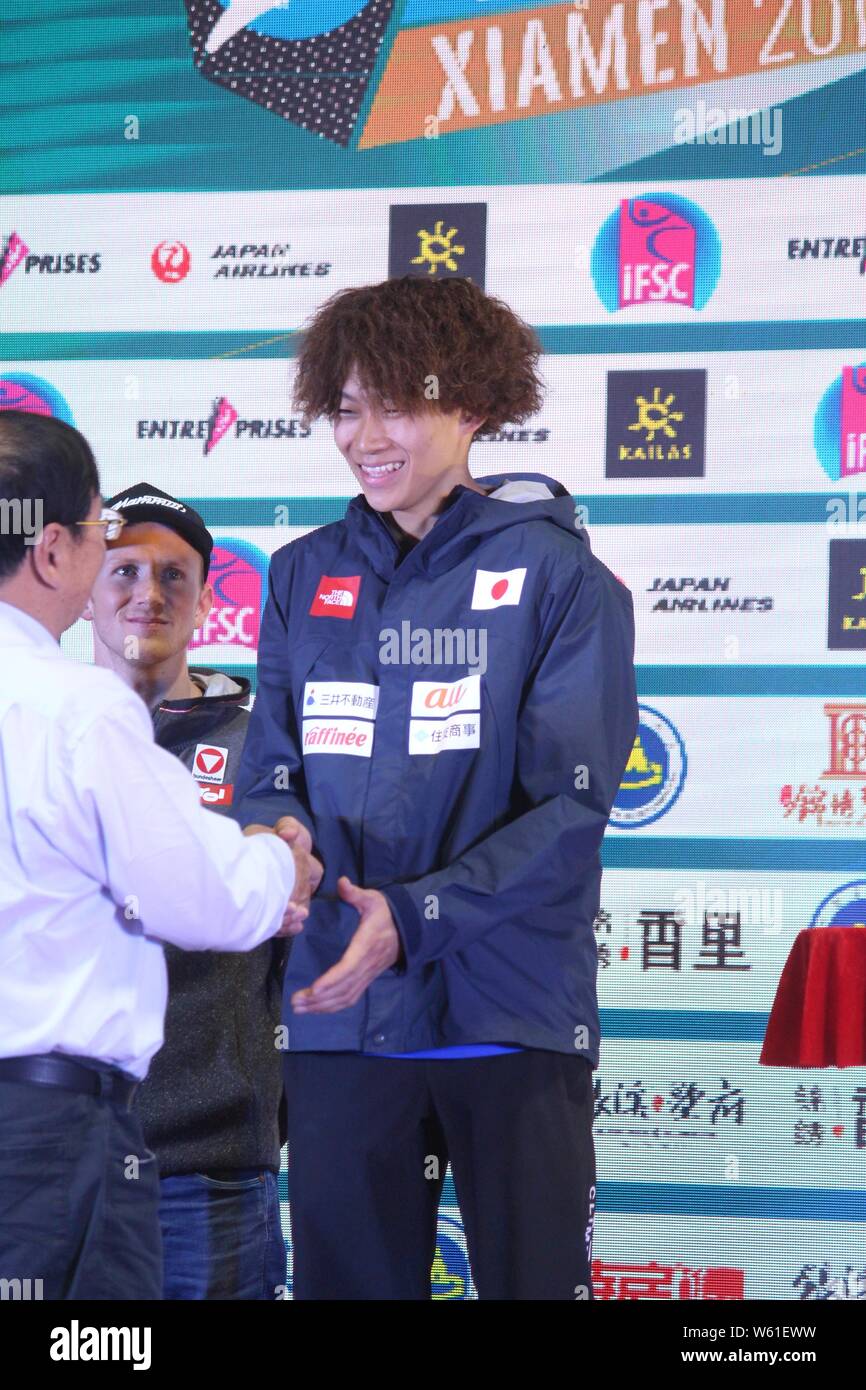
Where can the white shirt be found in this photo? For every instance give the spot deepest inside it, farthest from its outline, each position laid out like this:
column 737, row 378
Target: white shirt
column 104, row 848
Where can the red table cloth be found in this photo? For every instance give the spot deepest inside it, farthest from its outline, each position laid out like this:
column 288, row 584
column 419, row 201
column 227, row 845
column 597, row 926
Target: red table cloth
column 818, row 1017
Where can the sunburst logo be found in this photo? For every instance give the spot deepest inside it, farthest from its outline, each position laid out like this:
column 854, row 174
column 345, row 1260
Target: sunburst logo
column 655, row 416
column 438, row 239
column 437, row 248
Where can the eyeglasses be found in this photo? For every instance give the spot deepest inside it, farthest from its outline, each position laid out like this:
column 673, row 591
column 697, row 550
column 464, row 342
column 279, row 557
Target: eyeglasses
column 111, row 520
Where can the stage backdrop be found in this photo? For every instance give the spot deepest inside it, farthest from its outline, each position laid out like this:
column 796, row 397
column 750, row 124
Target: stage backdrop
column 672, row 193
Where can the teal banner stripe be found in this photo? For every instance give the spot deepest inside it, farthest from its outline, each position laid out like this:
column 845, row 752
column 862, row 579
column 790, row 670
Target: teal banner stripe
column 725, row 681
column 678, row 1025
column 682, row 509
column 630, row 850
column 699, row 1199
column 556, row 339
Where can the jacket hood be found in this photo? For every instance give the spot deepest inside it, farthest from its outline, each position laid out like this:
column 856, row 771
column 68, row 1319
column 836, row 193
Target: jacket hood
column 468, row 517
column 201, row 718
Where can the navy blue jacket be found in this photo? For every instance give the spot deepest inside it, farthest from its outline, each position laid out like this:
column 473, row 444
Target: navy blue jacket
column 475, row 800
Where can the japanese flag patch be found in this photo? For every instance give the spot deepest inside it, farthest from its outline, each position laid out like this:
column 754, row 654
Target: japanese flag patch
column 498, row 589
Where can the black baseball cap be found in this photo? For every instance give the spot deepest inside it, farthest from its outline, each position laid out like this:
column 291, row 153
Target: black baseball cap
column 147, row 503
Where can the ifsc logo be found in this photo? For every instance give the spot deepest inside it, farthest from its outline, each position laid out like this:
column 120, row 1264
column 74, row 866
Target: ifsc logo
column 654, row 775
column 22, row 391
column 231, row 630
column 840, row 425
column 844, row 907
column 658, row 248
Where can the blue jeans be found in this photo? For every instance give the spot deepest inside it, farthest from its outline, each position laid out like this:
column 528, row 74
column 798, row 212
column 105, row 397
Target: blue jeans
column 221, row 1236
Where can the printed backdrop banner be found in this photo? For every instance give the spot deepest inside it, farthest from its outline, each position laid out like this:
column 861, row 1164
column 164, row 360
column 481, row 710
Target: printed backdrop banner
column 672, row 195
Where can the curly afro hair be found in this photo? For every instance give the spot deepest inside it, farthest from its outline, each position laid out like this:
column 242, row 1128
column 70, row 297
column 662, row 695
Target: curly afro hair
column 420, row 345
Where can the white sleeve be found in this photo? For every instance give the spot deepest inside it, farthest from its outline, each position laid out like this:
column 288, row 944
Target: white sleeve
column 133, row 821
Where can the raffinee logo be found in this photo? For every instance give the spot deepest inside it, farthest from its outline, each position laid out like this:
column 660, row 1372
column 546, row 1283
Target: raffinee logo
column 77, row 1343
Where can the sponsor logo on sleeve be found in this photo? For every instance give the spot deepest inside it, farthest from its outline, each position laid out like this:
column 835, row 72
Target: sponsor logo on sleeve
column 217, row 796
column 209, row 764
column 336, row 596
column 495, row 589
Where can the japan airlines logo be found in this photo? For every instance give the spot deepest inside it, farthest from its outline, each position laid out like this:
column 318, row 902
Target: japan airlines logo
column 170, row 262
column 656, row 249
column 336, row 596
column 209, row 764
column 495, row 589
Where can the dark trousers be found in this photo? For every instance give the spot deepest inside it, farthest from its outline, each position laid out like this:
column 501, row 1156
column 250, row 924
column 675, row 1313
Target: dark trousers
column 369, row 1140
column 79, row 1197
column 221, row 1236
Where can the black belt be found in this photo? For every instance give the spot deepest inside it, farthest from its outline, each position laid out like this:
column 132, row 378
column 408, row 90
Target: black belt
column 106, row 1083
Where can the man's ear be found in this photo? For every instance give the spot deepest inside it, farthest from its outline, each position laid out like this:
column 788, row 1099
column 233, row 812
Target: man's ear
column 473, row 422
column 87, row 615
column 44, row 555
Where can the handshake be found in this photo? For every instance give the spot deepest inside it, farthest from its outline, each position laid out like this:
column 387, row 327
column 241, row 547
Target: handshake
column 375, row 946
column 308, row 869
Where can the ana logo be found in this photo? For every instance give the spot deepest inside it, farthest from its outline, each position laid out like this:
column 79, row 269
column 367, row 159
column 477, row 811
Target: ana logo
column 269, row 53
column 844, row 907
column 209, row 764
column 438, row 239
column 21, row 391
column 336, row 597
column 216, row 796
column 14, row 251
column 238, row 573
column 170, row 262
column 840, row 425
column 498, row 590
column 846, row 603
column 450, row 1277
column 656, row 249
column 656, row 424
column 654, row 774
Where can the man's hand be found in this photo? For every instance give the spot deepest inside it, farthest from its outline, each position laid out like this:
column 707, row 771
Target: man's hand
column 374, row 948
column 308, row 870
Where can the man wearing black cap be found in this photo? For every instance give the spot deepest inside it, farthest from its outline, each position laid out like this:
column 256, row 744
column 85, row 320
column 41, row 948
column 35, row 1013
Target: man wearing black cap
column 210, row 1104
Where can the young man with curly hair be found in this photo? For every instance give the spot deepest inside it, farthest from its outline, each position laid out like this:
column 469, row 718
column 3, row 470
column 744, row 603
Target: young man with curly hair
column 446, row 699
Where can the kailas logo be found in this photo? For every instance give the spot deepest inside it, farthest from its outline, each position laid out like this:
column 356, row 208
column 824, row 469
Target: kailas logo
column 656, row 424
column 654, row 774
column 309, row 61
column 21, row 391
column 209, row 763
column 336, row 596
column 170, row 262
column 846, row 603
column 657, row 249
column 238, row 573
column 438, row 239
column 840, row 425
